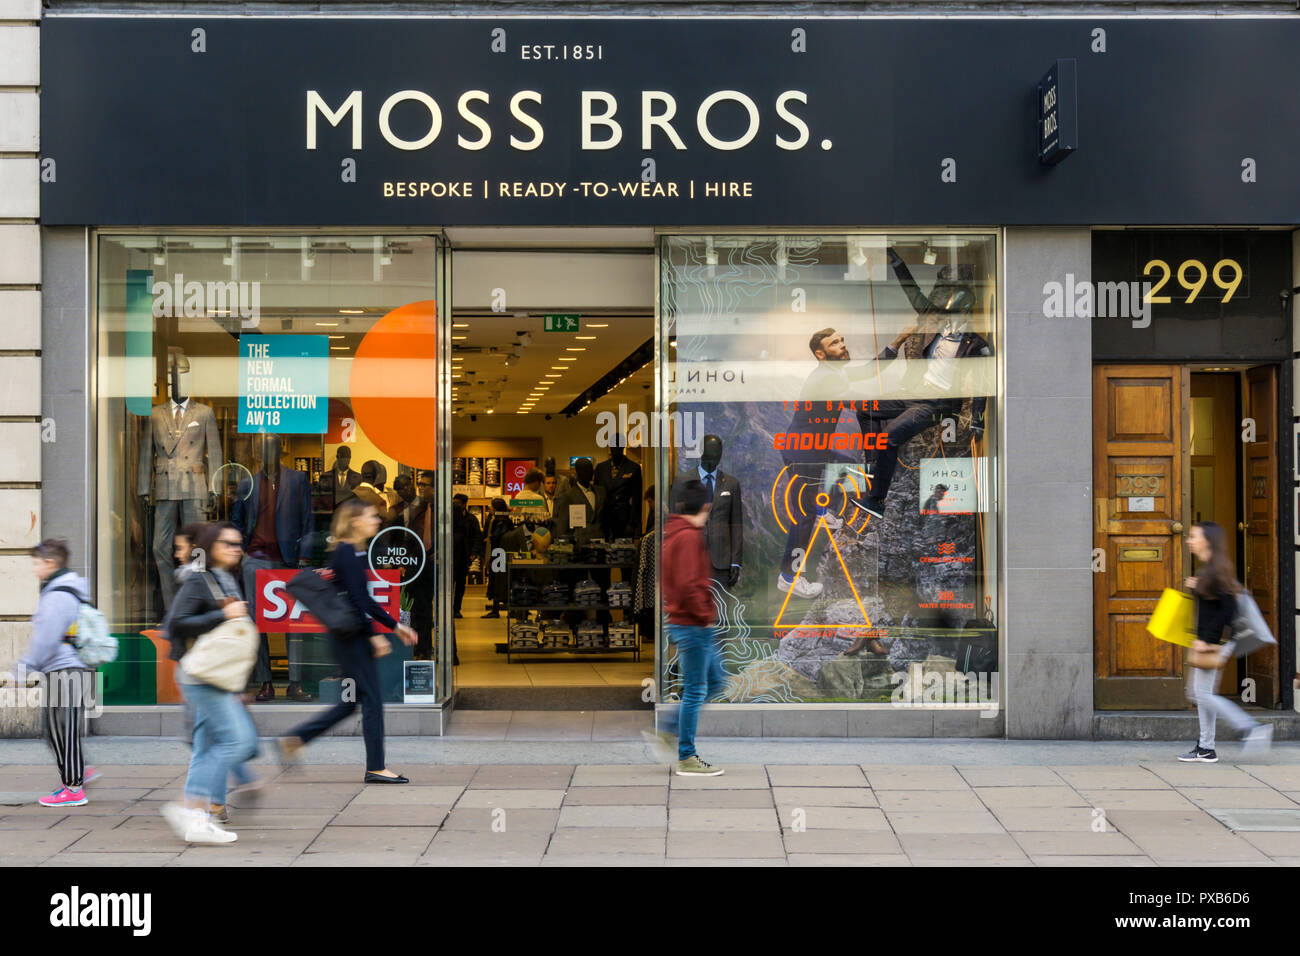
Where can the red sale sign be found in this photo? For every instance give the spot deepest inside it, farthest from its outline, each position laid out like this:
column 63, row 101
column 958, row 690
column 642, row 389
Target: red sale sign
column 278, row 611
column 516, row 471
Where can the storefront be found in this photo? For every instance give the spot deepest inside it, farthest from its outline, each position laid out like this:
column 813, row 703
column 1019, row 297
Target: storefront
column 305, row 286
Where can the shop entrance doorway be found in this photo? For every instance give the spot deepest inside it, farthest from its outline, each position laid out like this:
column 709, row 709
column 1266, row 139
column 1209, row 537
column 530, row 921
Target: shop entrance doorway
column 1173, row 445
column 552, row 354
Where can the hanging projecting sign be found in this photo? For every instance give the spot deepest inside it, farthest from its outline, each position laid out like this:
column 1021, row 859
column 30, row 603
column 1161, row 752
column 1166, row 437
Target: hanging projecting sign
column 391, row 121
column 283, row 384
column 1058, row 113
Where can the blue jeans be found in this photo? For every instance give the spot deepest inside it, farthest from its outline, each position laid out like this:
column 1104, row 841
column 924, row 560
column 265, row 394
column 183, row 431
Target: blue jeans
column 224, row 738
column 702, row 679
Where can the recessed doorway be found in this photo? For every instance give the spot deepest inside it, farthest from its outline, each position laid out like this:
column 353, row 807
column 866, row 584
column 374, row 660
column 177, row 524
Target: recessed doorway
column 552, row 348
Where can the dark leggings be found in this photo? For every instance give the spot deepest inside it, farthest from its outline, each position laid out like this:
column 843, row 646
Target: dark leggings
column 357, row 661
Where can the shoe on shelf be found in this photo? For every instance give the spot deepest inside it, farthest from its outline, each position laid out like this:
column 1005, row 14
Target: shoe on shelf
column 64, row 797
column 693, row 766
column 202, row 829
column 372, row 777
column 662, row 744
column 266, row 693
column 295, row 692
column 218, row 812
column 802, row 587
column 1199, row 754
column 1258, row 741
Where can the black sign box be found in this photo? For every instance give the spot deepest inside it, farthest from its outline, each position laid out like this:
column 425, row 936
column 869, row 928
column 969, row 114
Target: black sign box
column 715, row 122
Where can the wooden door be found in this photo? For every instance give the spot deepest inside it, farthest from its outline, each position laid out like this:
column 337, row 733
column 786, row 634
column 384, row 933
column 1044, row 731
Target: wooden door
column 1259, row 529
column 1140, row 418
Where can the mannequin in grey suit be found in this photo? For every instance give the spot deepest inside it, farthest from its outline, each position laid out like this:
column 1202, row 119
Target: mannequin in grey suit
column 725, row 530
column 180, row 449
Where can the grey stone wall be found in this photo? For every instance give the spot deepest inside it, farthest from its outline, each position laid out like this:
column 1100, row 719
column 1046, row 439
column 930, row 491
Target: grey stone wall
column 1047, row 491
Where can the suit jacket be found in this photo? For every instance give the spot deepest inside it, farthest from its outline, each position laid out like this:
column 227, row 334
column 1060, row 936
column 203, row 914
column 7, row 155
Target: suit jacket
column 293, row 517
column 176, row 463
column 416, row 523
column 575, row 496
column 327, row 482
column 620, row 517
column 724, row 532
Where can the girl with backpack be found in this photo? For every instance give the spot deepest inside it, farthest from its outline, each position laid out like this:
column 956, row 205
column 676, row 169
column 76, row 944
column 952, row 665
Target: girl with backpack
column 1215, row 589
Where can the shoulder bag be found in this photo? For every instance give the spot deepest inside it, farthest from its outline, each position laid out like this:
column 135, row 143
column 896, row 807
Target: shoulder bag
column 316, row 590
column 224, row 656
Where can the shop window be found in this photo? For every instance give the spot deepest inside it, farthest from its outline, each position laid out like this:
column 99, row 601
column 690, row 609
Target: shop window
column 262, row 380
column 844, row 387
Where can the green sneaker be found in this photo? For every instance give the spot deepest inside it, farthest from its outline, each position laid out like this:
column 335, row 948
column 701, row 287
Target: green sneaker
column 693, row 766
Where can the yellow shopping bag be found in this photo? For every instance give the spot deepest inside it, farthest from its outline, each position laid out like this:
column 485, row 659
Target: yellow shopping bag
column 1173, row 620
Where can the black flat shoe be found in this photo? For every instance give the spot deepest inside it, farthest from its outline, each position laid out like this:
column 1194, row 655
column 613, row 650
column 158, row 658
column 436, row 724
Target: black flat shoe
column 380, row 778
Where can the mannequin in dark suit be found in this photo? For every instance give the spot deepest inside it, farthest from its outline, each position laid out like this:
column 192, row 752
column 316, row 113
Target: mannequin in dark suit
column 620, row 477
column 577, row 494
column 724, row 531
column 278, row 539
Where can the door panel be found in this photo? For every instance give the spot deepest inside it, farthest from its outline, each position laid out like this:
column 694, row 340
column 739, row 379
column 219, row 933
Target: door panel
column 1140, row 415
column 1260, row 526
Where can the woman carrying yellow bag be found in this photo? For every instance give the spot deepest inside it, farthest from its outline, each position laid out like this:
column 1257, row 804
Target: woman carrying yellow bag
column 1215, row 590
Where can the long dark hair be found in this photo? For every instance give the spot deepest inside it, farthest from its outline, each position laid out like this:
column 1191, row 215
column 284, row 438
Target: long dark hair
column 1215, row 577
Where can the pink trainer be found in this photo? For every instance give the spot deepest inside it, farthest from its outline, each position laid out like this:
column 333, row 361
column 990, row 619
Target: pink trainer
column 65, row 798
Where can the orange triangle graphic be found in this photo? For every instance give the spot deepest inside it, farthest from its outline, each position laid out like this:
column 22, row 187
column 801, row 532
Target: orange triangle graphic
column 821, row 522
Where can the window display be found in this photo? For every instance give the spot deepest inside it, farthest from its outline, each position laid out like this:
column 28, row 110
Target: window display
column 846, row 388
column 245, row 379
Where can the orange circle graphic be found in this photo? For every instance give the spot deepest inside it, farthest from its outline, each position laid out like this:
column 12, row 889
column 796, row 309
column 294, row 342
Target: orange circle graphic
column 823, row 499
column 394, row 384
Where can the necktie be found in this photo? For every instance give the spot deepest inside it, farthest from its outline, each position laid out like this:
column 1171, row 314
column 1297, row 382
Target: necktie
column 708, row 485
column 177, row 415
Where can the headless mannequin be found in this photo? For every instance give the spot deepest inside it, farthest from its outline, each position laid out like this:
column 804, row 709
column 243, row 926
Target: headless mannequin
column 180, row 449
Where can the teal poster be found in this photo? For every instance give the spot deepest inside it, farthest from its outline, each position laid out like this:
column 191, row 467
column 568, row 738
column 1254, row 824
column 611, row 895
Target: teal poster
column 283, row 383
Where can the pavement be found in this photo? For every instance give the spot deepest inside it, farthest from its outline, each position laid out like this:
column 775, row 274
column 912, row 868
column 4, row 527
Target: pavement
column 810, row 802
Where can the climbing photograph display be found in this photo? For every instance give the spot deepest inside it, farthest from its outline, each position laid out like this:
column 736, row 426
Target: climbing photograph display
column 846, row 388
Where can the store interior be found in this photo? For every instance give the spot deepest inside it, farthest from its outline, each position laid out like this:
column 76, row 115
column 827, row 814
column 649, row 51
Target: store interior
column 552, row 341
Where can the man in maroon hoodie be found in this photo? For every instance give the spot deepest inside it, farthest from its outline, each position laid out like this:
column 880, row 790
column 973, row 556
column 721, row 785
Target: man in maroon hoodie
column 687, row 572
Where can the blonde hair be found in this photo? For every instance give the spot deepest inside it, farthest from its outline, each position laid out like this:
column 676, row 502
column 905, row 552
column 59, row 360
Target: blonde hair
column 348, row 512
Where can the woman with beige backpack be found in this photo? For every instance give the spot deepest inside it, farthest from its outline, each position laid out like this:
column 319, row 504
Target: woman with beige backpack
column 210, row 619
column 1217, row 594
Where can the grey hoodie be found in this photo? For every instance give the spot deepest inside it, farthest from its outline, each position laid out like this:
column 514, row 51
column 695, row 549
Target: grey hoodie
column 56, row 612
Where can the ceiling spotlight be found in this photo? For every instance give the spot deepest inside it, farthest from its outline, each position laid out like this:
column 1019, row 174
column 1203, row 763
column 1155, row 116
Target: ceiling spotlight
column 930, row 257
column 159, row 257
column 386, row 257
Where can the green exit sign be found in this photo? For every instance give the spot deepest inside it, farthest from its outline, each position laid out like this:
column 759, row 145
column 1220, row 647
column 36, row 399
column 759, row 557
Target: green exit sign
column 562, row 322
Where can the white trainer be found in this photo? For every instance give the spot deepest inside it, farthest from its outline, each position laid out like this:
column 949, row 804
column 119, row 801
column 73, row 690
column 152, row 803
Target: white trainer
column 802, row 587
column 180, row 818
column 204, row 830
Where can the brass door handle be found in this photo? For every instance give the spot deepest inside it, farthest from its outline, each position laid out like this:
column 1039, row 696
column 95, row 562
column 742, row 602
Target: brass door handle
column 1176, row 527
column 1243, row 525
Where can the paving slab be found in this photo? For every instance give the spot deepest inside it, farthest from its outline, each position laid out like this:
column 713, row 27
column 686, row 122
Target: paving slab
column 1137, row 799
column 729, row 845
column 648, row 775
column 393, row 816
column 923, row 800
column 1040, row 796
column 815, row 776
column 825, row 797
column 944, row 821
column 1278, row 777
column 1061, row 819
column 350, row 860
column 723, row 819
column 483, row 819
column 1073, row 861
column 970, row 848
column 302, row 796
column 614, row 816
column 842, row 841
column 1010, row 776
column 1219, row 774
column 390, row 795
column 522, row 777
column 881, row 777
column 1076, row 843
column 231, row 855
column 372, row 840
column 583, row 841
column 832, row 818
column 737, row 777
column 1106, row 777
column 848, row 859
column 29, row 821
column 512, row 799
column 614, row 796
column 740, row 799
column 726, row 862
column 1239, row 798
column 972, row 861
column 1276, row 844
column 604, row 859
column 111, row 859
